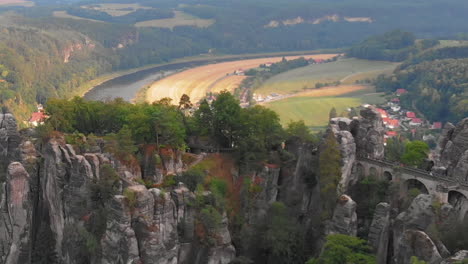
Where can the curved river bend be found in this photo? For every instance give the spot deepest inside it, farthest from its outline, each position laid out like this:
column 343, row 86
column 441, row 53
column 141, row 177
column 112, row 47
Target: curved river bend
column 127, row 86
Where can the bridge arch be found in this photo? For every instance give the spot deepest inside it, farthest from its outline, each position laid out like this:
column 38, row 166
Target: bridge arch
column 373, row 172
column 459, row 201
column 415, row 184
column 360, row 170
column 387, row 175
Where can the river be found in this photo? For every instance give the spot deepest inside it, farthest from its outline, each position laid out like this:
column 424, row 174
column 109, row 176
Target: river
column 127, row 86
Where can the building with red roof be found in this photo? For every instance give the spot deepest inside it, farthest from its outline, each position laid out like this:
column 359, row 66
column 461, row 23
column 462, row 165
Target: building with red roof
column 37, row 118
column 401, row 91
column 395, row 100
column 415, row 122
column 391, row 134
column 382, row 112
column 393, row 123
column 410, row 114
column 437, row 125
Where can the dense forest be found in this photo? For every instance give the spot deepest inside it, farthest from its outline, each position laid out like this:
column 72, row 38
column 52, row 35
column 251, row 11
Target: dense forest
column 396, row 45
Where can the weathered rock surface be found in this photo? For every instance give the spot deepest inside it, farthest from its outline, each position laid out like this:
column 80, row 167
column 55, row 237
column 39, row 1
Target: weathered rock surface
column 119, row 243
column 457, row 258
column 451, row 155
column 360, row 137
column 419, row 244
column 379, row 231
column 409, row 235
column 16, row 216
column 344, row 219
column 368, row 132
column 9, row 141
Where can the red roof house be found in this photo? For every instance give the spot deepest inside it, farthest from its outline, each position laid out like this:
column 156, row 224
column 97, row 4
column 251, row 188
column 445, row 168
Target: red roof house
column 395, row 100
column 392, row 133
column 437, row 125
column 401, row 91
column 410, row 114
column 394, row 123
column 37, row 118
column 382, row 112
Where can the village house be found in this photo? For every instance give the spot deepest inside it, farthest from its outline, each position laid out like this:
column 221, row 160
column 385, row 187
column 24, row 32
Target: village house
column 401, row 92
column 37, row 118
column 436, row 125
column 415, row 122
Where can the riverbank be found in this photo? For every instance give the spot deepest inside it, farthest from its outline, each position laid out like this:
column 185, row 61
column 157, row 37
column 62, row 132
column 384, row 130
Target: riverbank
column 212, row 78
column 88, row 86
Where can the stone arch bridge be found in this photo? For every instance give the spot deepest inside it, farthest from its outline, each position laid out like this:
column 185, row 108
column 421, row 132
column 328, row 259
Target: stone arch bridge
column 445, row 189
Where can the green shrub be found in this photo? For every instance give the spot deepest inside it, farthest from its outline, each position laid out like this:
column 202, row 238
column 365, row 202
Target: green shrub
column 191, row 178
column 131, row 198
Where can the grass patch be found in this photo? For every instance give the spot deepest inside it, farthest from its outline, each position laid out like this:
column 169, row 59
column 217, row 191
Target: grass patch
column 64, row 14
column 180, row 19
column 115, row 9
column 315, row 110
column 306, row 77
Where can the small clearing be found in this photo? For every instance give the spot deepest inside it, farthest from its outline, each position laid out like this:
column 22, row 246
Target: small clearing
column 298, row 80
column 115, row 9
column 64, row 14
column 16, row 3
column 180, row 19
column 314, row 107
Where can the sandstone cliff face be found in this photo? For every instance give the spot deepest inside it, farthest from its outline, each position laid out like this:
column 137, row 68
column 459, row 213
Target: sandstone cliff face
column 16, row 216
column 360, row 137
column 9, row 141
column 379, row 231
column 49, row 207
column 409, row 233
column 451, row 157
column 344, row 219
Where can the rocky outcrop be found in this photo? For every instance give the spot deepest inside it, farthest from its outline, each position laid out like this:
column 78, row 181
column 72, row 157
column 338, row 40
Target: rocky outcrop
column 419, row 244
column 9, row 141
column 344, row 219
column 16, row 216
column 359, row 137
column 379, row 231
column 409, row 233
column 457, row 258
column 119, row 243
column 451, row 156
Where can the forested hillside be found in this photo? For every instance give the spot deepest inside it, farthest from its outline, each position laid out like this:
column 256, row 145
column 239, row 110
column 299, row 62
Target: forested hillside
column 45, row 56
column 439, row 88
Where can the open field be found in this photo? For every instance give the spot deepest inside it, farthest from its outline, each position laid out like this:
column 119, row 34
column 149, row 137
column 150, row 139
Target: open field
column 180, row 19
column 314, row 109
column 64, row 14
column 115, row 9
column 345, row 70
column 16, row 3
column 198, row 81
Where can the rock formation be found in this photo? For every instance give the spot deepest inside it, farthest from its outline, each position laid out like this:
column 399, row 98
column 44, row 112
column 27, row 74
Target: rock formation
column 9, row 141
column 379, row 231
column 344, row 219
column 409, row 233
column 451, row 157
column 51, row 210
column 360, row 137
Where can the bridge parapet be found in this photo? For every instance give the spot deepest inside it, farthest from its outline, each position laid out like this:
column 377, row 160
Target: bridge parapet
column 414, row 172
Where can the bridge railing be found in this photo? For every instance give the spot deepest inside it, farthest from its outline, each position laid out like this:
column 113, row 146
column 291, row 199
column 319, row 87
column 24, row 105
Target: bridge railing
column 413, row 171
